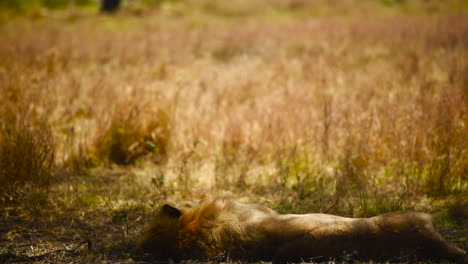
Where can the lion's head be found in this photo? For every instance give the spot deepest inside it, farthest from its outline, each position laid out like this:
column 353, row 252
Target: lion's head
column 160, row 237
column 208, row 231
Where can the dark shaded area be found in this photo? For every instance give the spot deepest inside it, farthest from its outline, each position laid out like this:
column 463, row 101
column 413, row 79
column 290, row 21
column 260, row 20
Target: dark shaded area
column 110, row 6
column 67, row 238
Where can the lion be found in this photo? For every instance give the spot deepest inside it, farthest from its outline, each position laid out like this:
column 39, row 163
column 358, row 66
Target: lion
column 221, row 228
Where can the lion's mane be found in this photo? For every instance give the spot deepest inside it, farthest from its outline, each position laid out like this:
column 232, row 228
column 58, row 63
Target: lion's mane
column 209, row 231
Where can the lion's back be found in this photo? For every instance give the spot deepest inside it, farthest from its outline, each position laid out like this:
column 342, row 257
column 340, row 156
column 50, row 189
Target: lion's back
column 250, row 213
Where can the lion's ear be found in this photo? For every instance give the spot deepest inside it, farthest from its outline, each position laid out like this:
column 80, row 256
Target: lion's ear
column 171, row 211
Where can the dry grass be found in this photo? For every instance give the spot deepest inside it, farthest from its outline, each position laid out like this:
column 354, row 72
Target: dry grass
column 334, row 114
column 26, row 160
column 132, row 135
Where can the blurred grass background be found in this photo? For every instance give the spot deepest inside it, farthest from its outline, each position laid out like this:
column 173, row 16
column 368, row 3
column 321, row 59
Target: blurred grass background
column 243, row 7
column 351, row 107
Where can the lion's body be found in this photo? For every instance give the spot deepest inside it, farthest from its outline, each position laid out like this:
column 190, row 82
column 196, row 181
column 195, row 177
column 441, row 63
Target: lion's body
column 223, row 228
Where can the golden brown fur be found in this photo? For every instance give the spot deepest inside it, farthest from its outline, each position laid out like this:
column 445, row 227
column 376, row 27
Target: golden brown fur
column 222, row 228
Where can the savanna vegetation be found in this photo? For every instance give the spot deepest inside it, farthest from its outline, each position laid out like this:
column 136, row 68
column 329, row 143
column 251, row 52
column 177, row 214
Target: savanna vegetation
column 349, row 107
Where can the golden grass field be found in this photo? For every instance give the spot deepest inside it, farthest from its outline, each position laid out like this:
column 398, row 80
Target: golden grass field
column 347, row 107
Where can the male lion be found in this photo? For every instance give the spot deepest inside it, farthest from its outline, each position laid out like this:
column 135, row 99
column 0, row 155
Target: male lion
column 222, row 228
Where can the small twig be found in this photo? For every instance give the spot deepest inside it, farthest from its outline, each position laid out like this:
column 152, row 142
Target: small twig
column 331, row 207
column 43, row 256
